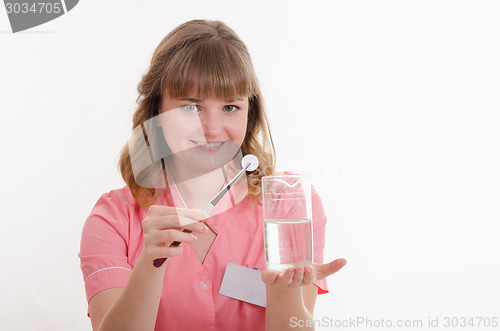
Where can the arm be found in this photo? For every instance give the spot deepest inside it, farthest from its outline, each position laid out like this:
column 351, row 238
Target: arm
column 135, row 307
column 292, row 294
column 285, row 304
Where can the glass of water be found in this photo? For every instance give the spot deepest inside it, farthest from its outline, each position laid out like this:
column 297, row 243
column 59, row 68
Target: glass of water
column 287, row 221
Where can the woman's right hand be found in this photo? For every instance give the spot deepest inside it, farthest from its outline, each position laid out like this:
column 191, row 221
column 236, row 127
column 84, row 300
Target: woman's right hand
column 110, row 309
column 163, row 225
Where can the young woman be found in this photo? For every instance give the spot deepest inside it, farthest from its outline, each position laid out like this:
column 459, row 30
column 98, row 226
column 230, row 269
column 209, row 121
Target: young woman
column 199, row 107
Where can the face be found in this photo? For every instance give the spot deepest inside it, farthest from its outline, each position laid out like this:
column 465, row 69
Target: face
column 203, row 134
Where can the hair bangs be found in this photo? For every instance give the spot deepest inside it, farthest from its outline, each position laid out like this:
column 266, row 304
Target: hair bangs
column 213, row 68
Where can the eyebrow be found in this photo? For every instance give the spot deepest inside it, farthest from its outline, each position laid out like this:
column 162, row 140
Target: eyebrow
column 190, row 99
column 199, row 100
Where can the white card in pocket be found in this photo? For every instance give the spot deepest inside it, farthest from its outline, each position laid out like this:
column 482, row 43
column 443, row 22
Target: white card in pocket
column 243, row 283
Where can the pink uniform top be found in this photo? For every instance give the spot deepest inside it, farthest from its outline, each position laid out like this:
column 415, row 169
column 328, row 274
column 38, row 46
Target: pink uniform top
column 112, row 241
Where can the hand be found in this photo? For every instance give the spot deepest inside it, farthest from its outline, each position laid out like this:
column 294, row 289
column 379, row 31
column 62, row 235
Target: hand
column 163, row 225
column 301, row 275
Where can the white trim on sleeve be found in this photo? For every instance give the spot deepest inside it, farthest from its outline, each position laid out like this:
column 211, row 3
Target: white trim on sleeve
column 106, row 269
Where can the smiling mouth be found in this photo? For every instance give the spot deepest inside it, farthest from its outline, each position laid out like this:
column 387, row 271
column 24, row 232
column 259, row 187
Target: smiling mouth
column 209, row 145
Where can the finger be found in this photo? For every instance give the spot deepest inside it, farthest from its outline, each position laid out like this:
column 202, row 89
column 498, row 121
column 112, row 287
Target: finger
column 176, row 222
column 309, row 275
column 325, row 270
column 297, row 276
column 269, row 276
column 171, row 235
column 285, row 278
column 194, row 226
column 158, row 210
column 165, row 252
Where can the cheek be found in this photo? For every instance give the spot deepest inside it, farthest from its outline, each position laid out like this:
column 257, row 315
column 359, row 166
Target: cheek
column 172, row 134
column 238, row 130
column 176, row 128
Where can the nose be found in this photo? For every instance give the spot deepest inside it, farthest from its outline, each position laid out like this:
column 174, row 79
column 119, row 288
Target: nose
column 211, row 124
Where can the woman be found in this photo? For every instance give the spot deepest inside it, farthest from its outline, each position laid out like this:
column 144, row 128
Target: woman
column 199, row 108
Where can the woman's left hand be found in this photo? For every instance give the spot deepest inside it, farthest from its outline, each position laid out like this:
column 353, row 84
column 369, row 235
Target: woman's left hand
column 301, row 275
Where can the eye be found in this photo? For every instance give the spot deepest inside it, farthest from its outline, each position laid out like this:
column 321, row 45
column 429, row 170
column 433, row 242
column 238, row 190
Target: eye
column 230, row 108
column 190, row 108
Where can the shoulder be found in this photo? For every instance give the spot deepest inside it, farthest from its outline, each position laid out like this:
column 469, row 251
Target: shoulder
column 121, row 196
column 118, row 198
column 115, row 208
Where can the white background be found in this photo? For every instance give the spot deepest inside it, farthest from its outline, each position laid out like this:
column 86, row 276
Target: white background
column 391, row 106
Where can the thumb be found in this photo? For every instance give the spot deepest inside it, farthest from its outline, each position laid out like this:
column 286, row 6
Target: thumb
column 325, row 270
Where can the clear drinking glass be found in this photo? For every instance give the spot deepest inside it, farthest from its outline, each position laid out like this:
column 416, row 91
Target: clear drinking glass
column 287, row 221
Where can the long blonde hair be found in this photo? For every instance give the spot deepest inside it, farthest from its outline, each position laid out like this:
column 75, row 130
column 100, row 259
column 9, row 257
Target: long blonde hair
column 208, row 57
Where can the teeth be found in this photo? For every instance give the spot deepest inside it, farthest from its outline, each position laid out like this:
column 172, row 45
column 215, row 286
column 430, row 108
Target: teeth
column 208, row 145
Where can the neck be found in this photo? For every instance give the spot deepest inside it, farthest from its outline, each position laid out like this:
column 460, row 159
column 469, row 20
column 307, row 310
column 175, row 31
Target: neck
column 195, row 187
